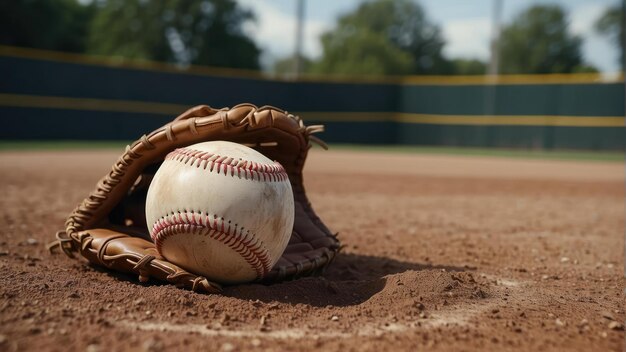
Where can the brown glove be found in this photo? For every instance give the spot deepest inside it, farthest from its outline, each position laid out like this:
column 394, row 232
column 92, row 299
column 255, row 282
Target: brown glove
column 109, row 227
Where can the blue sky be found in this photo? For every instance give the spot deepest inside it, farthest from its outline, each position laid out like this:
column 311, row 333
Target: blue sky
column 466, row 25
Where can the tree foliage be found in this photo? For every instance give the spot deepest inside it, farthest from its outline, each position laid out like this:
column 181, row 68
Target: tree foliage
column 611, row 24
column 380, row 37
column 538, row 41
column 365, row 53
column 585, row 68
column 468, row 67
column 383, row 37
column 205, row 32
column 44, row 24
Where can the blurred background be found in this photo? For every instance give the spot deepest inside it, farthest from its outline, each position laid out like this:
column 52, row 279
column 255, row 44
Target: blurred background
column 520, row 74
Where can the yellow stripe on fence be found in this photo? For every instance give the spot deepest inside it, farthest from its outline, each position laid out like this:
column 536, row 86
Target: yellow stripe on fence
column 88, row 104
column 439, row 119
column 428, row 80
column 121, row 62
column 518, row 120
column 46, row 102
column 347, row 116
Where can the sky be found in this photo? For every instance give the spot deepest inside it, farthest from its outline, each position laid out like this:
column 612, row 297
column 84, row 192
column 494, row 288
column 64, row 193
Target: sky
column 466, row 26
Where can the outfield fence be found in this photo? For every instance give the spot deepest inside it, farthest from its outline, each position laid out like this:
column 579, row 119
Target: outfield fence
column 53, row 96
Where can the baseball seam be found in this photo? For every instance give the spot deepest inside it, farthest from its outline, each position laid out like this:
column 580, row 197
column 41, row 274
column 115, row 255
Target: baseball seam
column 246, row 169
column 242, row 241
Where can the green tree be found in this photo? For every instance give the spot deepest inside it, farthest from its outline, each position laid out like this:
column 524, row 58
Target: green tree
column 207, row 32
column 468, row 67
column 364, row 53
column 538, row 41
column 585, row 68
column 54, row 25
column 611, row 24
column 383, row 37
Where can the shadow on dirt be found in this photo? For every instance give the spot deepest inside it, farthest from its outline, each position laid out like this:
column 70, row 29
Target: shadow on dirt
column 367, row 267
column 351, row 279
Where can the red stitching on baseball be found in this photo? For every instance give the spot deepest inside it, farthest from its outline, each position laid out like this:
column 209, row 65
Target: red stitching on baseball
column 245, row 243
column 225, row 165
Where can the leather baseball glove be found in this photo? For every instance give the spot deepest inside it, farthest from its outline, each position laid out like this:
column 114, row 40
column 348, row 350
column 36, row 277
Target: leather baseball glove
column 109, row 227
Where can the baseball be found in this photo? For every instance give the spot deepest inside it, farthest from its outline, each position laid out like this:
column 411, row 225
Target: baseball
column 221, row 210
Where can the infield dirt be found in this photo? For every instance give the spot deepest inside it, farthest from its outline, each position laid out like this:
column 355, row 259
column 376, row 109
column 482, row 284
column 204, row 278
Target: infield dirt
column 441, row 253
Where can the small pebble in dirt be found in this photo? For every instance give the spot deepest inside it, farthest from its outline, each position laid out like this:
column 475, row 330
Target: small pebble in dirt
column 152, row 345
column 522, row 314
column 616, row 326
column 32, row 241
column 93, row 348
column 334, row 318
column 255, row 342
column 607, row 315
column 564, row 259
column 227, row 347
column 478, row 293
column 3, row 339
column 560, row 322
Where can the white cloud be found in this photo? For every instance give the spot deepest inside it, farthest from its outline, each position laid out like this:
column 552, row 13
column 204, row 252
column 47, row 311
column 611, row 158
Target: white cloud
column 275, row 30
column 583, row 17
column 468, row 38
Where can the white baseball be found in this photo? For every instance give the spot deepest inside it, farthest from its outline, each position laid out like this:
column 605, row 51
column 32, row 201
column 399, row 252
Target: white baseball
column 221, row 210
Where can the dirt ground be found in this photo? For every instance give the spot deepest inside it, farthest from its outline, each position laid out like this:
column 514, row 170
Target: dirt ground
column 441, row 253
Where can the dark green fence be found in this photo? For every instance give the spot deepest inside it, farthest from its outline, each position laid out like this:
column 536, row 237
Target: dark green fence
column 47, row 95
